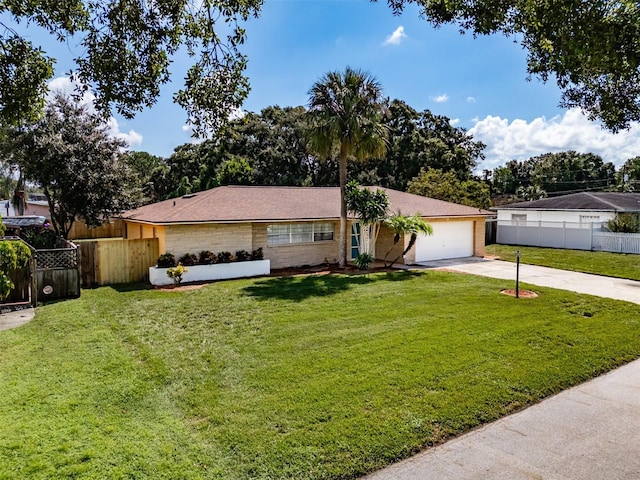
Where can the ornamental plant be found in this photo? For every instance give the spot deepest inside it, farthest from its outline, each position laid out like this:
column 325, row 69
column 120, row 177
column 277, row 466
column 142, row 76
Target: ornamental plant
column 166, row 260
column 363, row 261
column 176, row 273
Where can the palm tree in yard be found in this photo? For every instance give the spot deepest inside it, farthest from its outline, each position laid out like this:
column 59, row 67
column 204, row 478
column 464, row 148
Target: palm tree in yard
column 346, row 110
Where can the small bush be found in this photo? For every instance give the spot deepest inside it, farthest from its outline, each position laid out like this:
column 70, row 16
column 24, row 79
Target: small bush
column 224, row 257
column 166, row 260
column 625, row 223
column 207, row 258
column 257, row 254
column 242, row 256
column 176, row 273
column 363, row 260
column 188, row 259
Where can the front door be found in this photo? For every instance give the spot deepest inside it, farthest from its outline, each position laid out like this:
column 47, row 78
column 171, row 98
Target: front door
column 355, row 240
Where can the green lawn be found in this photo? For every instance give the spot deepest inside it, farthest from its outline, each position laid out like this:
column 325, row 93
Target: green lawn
column 601, row 263
column 300, row 377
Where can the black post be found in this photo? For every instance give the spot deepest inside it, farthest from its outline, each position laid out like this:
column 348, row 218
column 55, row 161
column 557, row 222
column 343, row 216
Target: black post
column 517, row 273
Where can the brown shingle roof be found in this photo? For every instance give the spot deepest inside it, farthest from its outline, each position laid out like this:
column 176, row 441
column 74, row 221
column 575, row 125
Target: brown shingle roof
column 261, row 204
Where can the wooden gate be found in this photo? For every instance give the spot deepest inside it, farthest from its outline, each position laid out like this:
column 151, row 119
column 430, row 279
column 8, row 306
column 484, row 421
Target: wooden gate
column 57, row 272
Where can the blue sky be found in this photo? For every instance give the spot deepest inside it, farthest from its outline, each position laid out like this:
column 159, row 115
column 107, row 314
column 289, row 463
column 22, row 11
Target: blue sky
column 481, row 84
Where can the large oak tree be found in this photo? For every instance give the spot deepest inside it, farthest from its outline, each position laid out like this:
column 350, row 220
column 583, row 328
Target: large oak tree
column 126, row 48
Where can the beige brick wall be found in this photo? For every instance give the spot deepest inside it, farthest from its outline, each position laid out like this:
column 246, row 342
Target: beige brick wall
column 295, row 255
column 478, row 237
column 385, row 242
column 181, row 239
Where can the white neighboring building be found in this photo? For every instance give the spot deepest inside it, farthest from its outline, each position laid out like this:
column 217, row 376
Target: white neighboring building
column 566, row 221
column 575, row 208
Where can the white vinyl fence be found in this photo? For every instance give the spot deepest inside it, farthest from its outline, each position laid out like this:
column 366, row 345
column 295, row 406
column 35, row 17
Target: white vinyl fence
column 570, row 235
column 616, row 242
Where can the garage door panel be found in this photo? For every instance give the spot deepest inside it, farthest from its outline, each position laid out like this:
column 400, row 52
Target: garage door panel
column 449, row 240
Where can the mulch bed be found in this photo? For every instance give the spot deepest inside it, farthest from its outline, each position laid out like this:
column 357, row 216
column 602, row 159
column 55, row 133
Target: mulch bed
column 328, row 268
column 522, row 293
column 324, row 269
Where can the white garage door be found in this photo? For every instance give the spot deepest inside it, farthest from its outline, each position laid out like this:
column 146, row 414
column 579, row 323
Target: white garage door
column 449, row 240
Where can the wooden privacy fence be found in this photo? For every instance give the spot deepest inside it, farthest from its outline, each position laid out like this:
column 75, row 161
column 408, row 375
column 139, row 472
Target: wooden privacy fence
column 112, row 229
column 115, row 260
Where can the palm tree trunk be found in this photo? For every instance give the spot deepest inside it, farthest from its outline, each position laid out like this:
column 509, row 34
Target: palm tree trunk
column 342, row 247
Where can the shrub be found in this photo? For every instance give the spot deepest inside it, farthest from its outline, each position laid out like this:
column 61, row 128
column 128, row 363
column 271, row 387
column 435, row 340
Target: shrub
column 176, row 273
column 224, row 257
column 39, row 237
column 625, row 223
column 207, row 258
column 188, row 259
column 166, row 260
column 363, row 260
column 13, row 254
column 257, row 254
column 242, row 256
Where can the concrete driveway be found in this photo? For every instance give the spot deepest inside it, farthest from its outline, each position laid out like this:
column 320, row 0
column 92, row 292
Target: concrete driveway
column 600, row 286
column 589, row 432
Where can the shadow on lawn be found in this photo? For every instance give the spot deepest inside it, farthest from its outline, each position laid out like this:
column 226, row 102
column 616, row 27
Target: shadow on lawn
column 299, row 288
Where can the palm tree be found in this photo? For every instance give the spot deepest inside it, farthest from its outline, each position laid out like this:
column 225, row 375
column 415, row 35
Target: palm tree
column 402, row 225
column 346, row 110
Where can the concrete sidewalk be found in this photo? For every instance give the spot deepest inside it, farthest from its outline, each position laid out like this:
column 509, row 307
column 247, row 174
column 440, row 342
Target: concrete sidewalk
column 15, row 319
column 589, row 432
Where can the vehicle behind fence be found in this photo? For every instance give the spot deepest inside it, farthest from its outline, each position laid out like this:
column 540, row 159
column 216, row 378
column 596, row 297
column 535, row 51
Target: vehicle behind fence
column 569, row 235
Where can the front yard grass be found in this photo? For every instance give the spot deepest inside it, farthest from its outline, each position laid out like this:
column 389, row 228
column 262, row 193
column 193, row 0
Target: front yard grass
column 619, row 265
column 315, row 377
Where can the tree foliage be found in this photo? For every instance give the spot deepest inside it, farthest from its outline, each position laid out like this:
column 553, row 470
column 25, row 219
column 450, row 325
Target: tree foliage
column 571, row 171
column 446, row 186
column 592, row 49
column 402, row 225
column 370, row 208
column 346, row 111
column 13, row 254
column 126, row 49
column 629, row 175
column 625, row 223
column 419, row 140
column 79, row 166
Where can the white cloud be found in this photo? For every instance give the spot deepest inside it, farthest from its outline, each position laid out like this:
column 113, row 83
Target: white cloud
column 396, row 37
column 520, row 139
column 131, row 137
column 440, row 98
column 65, row 86
column 454, row 121
column 471, row 99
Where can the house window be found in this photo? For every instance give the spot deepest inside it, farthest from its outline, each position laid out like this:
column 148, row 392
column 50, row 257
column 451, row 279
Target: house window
column 589, row 218
column 518, row 217
column 322, row 231
column 288, row 233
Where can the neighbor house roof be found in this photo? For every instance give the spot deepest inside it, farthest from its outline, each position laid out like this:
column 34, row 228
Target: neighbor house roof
column 262, row 204
column 599, row 201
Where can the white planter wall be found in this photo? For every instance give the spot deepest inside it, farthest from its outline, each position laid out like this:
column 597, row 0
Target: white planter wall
column 219, row 271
